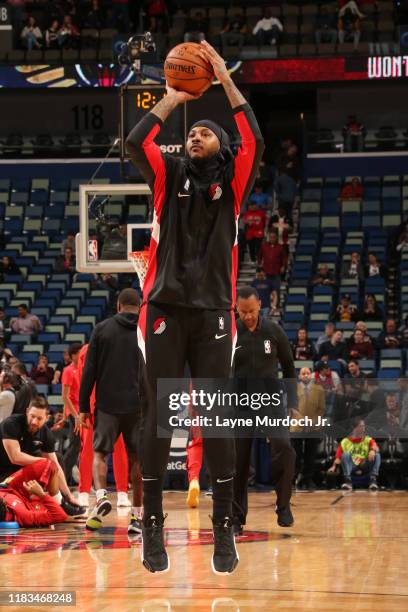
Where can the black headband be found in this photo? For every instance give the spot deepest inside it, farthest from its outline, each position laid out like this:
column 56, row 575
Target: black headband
column 220, row 133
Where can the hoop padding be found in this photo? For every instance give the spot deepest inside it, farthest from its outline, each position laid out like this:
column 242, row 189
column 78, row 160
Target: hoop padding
column 140, row 260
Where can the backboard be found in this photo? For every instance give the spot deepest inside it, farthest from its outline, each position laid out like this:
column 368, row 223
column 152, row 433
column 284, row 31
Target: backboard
column 112, row 223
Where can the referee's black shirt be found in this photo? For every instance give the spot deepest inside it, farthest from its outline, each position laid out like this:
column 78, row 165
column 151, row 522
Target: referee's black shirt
column 258, row 353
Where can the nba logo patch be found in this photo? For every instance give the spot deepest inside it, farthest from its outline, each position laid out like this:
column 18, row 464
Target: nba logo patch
column 159, row 326
column 221, row 323
column 267, row 345
column 92, row 250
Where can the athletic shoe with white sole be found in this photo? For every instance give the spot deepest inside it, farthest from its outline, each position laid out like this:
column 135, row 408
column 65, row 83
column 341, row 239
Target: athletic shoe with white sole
column 154, row 555
column 193, row 495
column 135, row 525
column 101, row 509
column 225, row 557
column 83, row 499
column 122, row 500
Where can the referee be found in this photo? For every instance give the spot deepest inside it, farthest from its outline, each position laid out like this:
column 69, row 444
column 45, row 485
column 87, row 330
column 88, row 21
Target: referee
column 112, row 364
column 261, row 344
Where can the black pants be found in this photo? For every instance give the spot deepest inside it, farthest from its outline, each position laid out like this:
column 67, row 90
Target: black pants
column 306, row 450
column 204, row 340
column 283, row 468
column 254, row 245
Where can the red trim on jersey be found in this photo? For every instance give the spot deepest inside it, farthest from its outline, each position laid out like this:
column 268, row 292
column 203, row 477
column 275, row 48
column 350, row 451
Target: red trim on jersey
column 244, row 160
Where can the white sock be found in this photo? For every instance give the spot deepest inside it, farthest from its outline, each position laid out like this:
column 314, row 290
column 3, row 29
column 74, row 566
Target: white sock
column 137, row 511
column 100, row 493
column 58, row 498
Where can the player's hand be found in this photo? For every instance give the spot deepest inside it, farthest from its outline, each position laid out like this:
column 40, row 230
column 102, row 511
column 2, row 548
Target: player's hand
column 332, row 469
column 77, row 424
column 210, row 54
column 34, row 488
column 84, row 419
column 181, row 96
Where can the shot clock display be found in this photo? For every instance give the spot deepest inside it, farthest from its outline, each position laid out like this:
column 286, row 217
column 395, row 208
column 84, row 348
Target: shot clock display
column 147, row 98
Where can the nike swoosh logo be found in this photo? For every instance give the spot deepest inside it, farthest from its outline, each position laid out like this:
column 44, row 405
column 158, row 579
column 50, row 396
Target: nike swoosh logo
column 217, row 337
column 226, row 480
column 237, row 347
column 184, row 195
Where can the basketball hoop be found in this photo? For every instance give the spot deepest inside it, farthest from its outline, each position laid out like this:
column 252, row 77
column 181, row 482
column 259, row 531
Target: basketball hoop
column 140, row 261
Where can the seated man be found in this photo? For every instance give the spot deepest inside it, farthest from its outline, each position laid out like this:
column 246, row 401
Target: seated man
column 24, row 440
column 323, row 276
column 358, row 454
column 27, row 496
column 352, row 190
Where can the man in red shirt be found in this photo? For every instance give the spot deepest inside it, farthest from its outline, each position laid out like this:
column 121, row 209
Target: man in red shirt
column 70, row 396
column 273, row 260
column 254, row 221
column 352, row 190
column 28, row 496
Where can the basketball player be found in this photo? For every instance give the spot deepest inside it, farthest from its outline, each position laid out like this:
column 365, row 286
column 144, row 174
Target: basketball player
column 189, row 291
column 261, row 344
column 112, row 364
column 119, row 455
column 27, row 497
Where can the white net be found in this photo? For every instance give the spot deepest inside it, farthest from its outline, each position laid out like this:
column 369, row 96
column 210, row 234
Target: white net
column 140, row 260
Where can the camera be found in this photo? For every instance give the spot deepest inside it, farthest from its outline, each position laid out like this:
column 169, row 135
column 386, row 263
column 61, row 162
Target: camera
column 136, row 47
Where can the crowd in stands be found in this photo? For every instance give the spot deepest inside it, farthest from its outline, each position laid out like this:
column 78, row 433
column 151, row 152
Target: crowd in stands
column 68, row 24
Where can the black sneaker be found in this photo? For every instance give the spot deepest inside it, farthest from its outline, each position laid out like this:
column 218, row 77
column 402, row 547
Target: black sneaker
column 285, row 516
column 225, row 557
column 347, row 484
column 72, row 509
column 373, row 486
column 310, row 485
column 135, row 525
column 237, row 526
column 154, row 555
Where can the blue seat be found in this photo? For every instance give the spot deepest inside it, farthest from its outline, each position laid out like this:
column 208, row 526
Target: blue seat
column 20, row 338
column 389, row 373
column 42, row 390
column 54, row 212
column 49, row 338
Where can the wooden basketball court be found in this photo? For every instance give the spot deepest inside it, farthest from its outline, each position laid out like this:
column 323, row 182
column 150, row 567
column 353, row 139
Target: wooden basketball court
column 345, row 552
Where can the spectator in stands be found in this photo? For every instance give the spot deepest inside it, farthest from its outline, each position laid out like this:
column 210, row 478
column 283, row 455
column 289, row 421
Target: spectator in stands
column 329, row 330
column 371, row 310
column 4, row 327
column 285, row 190
column 234, row 32
column 324, row 276
column 66, row 262
column 349, row 25
column 155, row 8
column 68, row 37
column 346, row 311
column 264, row 287
column 254, row 221
column 392, row 411
column 403, row 330
column 42, row 373
column 354, row 133
column 95, row 17
column 390, row 338
column 288, row 161
column 52, row 34
column 302, row 347
column 326, row 27
column 8, row 267
column 273, row 260
column 335, row 349
column 374, row 267
column 352, row 190
column 355, row 381
column 312, row 404
column 326, row 378
column 17, row 13
column 68, row 243
column 353, row 268
column 8, row 384
column 66, row 360
column 403, row 383
column 281, row 224
column 360, row 326
column 196, row 28
column 31, row 35
column 25, row 323
column 402, row 235
column 25, row 389
column 268, row 29
column 361, row 348
column 259, row 197
column 358, row 454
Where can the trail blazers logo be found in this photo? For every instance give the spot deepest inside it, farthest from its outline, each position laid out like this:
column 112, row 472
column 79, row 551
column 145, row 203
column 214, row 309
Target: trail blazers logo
column 159, row 326
column 267, row 345
column 215, row 191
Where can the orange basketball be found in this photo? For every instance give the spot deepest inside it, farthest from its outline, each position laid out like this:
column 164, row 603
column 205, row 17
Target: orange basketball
column 186, row 70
